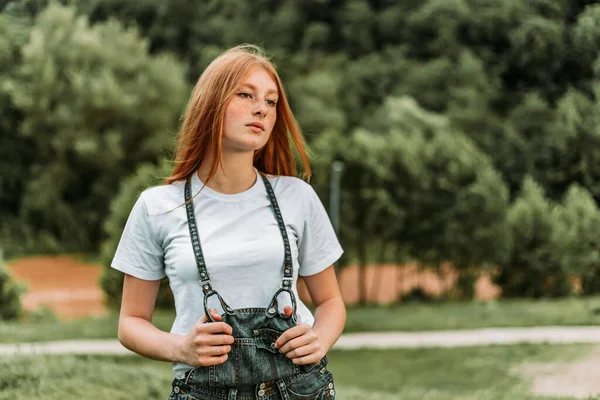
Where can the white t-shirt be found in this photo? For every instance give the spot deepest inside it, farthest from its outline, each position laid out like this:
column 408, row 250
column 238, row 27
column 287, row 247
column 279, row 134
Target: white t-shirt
column 241, row 242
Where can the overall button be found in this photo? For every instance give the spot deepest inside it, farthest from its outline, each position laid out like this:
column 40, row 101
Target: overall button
column 332, row 392
column 176, row 389
column 261, row 393
column 262, row 386
column 331, row 386
column 272, row 311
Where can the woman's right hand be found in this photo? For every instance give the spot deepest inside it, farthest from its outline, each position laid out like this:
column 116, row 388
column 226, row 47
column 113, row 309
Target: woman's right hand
column 207, row 343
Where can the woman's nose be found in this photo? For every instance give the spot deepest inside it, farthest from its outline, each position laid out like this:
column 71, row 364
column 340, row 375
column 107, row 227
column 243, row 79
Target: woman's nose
column 259, row 108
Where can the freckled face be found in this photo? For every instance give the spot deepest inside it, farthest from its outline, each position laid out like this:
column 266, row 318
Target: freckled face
column 251, row 113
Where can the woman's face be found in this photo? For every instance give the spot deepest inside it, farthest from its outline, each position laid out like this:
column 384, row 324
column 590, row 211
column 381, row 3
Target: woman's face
column 251, row 113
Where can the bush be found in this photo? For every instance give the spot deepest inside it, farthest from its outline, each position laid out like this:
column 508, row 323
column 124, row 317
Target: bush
column 93, row 102
column 577, row 237
column 43, row 313
column 111, row 281
column 10, row 294
column 414, row 184
column 536, row 266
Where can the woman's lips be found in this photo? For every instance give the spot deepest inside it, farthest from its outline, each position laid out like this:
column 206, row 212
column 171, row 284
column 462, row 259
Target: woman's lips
column 256, row 127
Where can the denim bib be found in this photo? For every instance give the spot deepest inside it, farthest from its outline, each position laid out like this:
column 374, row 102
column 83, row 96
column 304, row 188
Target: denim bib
column 255, row 369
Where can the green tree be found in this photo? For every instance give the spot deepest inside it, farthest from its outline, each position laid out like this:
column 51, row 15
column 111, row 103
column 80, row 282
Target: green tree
column 416, row 189
column 585, row 44
column 94, row 105
column 577, row 237
column 571, row 146
column 536, row 266
column 16, row 151
column 315, row 98
column 454, row 201
column 434, row 28
column 10, row 294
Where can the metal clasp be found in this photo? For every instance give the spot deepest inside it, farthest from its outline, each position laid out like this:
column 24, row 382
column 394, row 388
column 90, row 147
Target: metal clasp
column 287, row 282
column 205, row 284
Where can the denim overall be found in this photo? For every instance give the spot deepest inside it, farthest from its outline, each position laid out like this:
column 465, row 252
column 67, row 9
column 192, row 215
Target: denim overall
column 255, row 369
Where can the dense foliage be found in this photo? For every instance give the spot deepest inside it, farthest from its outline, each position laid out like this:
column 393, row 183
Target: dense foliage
column 469, row 129
column 10, row 294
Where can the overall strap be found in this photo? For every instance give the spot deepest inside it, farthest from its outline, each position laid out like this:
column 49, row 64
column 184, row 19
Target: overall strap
column 189, row 205
column 204, row 277
column 288, row 266
column 205, row 282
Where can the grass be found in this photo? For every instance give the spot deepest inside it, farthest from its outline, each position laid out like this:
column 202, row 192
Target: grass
column 482, row 373
column 405, row 317
column 471, row 315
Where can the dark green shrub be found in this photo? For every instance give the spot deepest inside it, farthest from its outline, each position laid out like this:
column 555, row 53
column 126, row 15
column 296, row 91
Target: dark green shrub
column 536, row 266
column 10, row 294
column 577, row 237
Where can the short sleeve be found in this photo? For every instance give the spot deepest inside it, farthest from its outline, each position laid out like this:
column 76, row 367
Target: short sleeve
column 318, row 246
column 139, row 253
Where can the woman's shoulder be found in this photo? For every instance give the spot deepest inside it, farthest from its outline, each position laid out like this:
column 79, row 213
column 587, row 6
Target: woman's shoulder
column 160, row 199
column 294, row 190
column 289, row 184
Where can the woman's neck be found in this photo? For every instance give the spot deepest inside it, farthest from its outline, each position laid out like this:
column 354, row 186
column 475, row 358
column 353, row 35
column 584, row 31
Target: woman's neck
column 236, row 173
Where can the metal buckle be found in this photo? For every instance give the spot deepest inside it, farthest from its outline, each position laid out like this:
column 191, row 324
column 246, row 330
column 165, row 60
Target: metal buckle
column 287, row 282
column 205, row 284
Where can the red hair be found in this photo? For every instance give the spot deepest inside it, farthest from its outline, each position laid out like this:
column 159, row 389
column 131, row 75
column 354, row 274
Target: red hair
column 202, row 127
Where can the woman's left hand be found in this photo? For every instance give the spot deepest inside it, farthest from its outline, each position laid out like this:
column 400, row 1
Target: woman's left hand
column 300, row 343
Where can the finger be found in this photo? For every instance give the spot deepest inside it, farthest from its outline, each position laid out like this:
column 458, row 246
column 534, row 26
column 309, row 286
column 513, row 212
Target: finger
column 287, row 310
column 295, row 343
column 214, row 360
column 216, row 327
column 217, row 350
column 214, row 314
column 308, row 359
column 218, row 340
column 291, row 333
column 303, row 351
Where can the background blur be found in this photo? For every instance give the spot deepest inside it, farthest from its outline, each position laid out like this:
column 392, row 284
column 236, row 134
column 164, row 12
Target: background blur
column 468, row 132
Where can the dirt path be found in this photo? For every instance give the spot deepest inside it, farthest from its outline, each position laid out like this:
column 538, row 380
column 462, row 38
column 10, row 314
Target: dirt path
column 69, row 287
column 579, row 379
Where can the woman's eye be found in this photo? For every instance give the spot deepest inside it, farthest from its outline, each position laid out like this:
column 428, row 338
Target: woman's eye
column 244, row 95
column 271, row 102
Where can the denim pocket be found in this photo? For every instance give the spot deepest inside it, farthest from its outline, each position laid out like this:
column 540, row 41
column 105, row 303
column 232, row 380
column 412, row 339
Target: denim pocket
column 251, row 360
column 275, row 365
column 315, row 384
column 191, row 395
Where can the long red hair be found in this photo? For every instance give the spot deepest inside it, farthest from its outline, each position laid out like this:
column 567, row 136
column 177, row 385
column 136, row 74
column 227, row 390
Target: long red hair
column 202, row 127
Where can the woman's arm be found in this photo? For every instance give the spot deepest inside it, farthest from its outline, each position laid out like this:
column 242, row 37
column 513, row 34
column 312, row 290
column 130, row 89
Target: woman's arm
column 305, row 344
column 136, row 332
column 330, row 311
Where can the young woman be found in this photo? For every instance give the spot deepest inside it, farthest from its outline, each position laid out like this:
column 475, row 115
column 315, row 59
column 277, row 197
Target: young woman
column 233, row 228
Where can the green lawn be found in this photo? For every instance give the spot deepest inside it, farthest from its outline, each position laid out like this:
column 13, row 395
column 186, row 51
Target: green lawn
column 476, row 314
column 405, row 317
column 479, row 373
